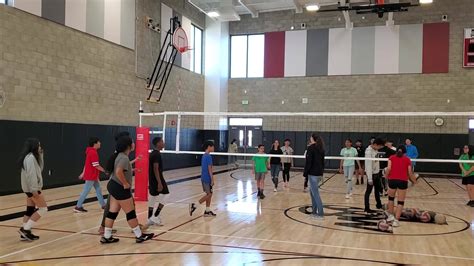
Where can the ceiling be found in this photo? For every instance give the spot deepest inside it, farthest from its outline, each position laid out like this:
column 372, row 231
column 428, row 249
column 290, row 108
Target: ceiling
column 230, row 10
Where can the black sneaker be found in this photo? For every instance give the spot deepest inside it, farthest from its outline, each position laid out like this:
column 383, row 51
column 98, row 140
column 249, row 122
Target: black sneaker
column 357, row 182
column 192, row 208
column 362, row 181
column 110, row 240
column 27, row 235
column 262, row 196
column 209, row 214
column 79, row 210
column 259, row 193
column 470, row 203
column 144, row 237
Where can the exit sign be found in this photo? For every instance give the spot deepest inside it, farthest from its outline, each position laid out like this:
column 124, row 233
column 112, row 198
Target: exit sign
column 245, row 102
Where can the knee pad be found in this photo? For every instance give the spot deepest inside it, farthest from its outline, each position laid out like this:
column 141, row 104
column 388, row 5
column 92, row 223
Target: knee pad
column 401, row 203
column 391, row 198
column 131, row 215
column 42, row 211
column 112, row 215
column 30, row 210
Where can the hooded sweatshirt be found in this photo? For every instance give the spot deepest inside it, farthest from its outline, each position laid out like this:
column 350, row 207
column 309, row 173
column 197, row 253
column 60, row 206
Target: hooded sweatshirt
column 91, row 173
column 371, row 167
column 31, row 177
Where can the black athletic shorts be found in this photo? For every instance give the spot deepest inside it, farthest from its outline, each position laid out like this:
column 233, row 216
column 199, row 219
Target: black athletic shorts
column 153, row 187
column 117, row 191
column 29, row 194
column 397, row 184
column 468, row 180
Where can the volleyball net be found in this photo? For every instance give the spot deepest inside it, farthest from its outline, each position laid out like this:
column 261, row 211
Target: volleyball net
column 438, row 136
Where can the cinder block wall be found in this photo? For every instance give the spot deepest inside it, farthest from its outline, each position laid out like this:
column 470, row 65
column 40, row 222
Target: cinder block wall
column 364, row 93
column 53, row 73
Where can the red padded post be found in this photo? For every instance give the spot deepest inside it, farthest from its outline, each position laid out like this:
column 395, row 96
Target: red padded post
column 142, row 146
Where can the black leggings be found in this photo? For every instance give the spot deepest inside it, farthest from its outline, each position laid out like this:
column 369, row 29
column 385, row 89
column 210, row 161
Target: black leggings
column 286, row 172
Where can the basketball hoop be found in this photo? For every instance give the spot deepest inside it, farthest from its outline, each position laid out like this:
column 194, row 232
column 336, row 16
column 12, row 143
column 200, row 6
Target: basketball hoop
column 180, row 40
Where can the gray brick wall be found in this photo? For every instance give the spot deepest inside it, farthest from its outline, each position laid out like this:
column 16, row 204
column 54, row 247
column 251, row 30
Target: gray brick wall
column 364, row 93
column 53, row 73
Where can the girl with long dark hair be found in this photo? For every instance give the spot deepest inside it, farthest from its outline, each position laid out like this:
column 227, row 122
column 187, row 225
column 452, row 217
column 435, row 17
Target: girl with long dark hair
column 119, row 188
column 31, row 164
column 314, row 169
column 275, row 163
column 399, row 171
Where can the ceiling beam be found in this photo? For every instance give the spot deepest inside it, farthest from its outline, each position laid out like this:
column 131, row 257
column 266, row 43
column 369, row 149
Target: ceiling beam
column 250, row 9
column 298, row 7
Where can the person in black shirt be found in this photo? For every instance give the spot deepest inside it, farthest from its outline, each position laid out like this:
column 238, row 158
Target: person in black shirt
column 360, row 170
column 275, row 163
column 385, row 152
column 156, row 183
column 314, row 169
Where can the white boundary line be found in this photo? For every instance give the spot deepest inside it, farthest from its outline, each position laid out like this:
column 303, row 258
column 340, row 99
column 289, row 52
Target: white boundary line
column 313, row 114
column 83, row 231
column 319, row 245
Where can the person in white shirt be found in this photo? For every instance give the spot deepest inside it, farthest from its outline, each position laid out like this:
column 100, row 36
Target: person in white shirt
column 287, row 162
column 372, row 170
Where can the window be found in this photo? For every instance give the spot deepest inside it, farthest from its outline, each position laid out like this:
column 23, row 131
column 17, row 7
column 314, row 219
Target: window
column 196, row 52
column 471, row 123
column 246, row 56
column 4, row 2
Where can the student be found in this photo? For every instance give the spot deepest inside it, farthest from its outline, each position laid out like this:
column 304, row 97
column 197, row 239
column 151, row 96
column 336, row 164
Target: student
column 120, row 193
column 90, row 175
column 360, row 163
column 275, row 163
column 347, row 167
column 233, row 148
column 207, row 180
column 399, row 170
column 412, row 151
column 259, row 169
column 108, row 172
column 467, row 172
column 372, row 169
column 31, row 165
column 287, row 162
column 313, row 169
column 157, row 186
column 385, row 152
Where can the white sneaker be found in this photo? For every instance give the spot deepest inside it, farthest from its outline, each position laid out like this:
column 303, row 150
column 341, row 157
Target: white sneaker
column 350, row 194
column 395, row 223
column 316, row 217
column 390, row 218
column 347, row 196
column 156, row 220
column 305, row 189
column 275, row 190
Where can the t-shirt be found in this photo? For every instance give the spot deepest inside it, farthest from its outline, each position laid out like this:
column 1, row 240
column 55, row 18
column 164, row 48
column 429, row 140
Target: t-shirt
column 385, row 152
column 260, row 164
column 92, row 161
column 123, row 162
column 206, row 161
column 466, row 166
column 349, row 152
column 360, row 152
column 399, row 169
column 155, row 157
column 275, row 160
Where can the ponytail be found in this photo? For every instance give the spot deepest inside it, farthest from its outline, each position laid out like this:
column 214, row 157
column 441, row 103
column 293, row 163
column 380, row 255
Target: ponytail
column 401, row 150
column 111, row 163
column 123, row 143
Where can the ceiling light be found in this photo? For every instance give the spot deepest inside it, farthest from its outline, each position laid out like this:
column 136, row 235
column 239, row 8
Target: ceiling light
column 312, row 7
column 426, row 1
column 213, row 14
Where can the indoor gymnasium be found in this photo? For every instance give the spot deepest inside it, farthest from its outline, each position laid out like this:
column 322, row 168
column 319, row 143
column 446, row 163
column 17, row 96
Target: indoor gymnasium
column 237, row 132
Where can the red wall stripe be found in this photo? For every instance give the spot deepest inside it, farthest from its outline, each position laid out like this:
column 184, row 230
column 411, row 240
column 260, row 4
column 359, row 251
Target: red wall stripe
column 274, row 60
column 436, row 48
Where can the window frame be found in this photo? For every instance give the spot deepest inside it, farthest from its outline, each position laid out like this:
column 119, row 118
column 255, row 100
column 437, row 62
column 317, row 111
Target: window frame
column 247, row 56
column 193, row 28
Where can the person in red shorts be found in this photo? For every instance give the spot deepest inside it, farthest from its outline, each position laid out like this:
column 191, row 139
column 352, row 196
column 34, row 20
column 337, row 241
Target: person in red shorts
column 399, row 171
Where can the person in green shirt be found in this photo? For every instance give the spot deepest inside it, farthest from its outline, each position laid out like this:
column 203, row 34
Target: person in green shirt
column 467, row 171
column 347, row 167
column 261, row 164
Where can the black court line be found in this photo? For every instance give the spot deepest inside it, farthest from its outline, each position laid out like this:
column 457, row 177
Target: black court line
column 298, row 255
column 461, row 187
column 15, row 215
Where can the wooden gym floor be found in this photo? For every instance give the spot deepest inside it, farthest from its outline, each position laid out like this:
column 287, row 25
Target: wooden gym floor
column 247, row 231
